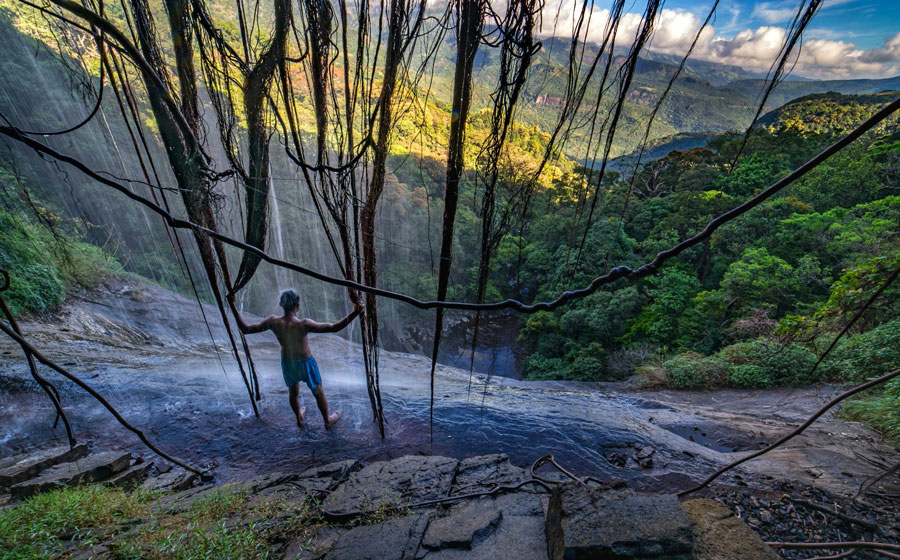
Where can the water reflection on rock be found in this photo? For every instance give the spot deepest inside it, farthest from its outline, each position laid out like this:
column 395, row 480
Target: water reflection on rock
column 189, row 398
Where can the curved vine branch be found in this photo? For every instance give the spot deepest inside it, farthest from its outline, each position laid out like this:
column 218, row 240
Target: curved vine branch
column 34, row 352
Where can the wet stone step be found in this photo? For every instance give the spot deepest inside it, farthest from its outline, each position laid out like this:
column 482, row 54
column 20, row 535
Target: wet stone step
column 616, row 523
column 172, row 481
column 93, row 468
column 22, row 467
column 130, row 477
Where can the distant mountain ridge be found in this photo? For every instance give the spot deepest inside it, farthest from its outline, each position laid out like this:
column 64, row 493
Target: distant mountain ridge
column 787, row 91
column 708, row 97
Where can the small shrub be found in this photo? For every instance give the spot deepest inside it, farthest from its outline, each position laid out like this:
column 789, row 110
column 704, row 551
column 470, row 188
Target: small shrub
column 538, row 367
column 622, row 363
column 650, row 375
column 879, row 409
column 751, row 375
column 867, row 355
column 42, row 266
column 587, row 368
column 785, row 364
column 695, row 371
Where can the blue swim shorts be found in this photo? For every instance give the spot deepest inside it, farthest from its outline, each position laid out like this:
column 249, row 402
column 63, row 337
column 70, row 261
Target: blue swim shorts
column 304, row 369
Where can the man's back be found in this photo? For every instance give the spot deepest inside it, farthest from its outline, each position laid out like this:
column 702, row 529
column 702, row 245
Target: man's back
column 292, row 333
column 297, row 363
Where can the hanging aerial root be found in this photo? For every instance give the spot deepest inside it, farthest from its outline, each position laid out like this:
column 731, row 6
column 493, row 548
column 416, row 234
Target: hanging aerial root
column 30, row 350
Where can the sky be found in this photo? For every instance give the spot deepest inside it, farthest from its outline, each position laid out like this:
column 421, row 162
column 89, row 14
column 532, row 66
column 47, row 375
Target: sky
column 846, row 38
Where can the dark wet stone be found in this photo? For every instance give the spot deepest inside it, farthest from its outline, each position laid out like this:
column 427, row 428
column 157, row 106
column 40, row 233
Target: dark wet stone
column 665, row 482
column 319, row 480
column 719, row 535
column 336, row 471
column 408, row 479
column 465, row 527
column 519, row 533
column 93, row 468
column 172, row 481
column 130, row 477
column 22, row 467
column 396, row 539
column 616, row 524
column 478, row 474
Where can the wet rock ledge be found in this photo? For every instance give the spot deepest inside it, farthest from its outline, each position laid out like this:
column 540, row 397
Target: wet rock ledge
column 417, row 507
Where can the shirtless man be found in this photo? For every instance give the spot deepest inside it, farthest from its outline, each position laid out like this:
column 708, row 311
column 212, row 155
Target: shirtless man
column 297, row 362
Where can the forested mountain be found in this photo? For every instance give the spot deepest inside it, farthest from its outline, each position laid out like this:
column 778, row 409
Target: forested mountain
column 826, row 112
column 756, row 304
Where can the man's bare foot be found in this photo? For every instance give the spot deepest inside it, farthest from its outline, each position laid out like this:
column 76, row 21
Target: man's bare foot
column 332, row 419
column 301, row 416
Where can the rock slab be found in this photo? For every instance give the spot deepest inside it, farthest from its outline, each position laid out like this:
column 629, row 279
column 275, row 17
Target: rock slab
column 616, row 524
column 396, row 539
column 408, row 479
column 719, row 535
column 467, row 527
column 509, row 526
column 20, row 468
column 172, row 481
column 94, row 468
column 477, row 474
column 130, row 477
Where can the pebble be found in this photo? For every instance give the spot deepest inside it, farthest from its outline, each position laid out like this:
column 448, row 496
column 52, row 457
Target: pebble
column 775, row 516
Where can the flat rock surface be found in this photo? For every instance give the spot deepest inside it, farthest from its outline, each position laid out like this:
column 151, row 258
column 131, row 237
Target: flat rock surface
column 720, row 535
column 408, row 479
column 93, row 468
column 172, row 481
column 477, row 474
column 336, row 471
column 22, row 467
column 505, row 526
column 396, row 539
column 466, row 527
column 584, row 522
column 132, row 339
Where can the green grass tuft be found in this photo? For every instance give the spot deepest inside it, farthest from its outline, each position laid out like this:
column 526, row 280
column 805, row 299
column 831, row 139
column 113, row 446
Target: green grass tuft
column 33, row 529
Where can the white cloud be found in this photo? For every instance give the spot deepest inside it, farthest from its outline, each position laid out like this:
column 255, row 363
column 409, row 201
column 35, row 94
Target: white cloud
column 889, row 53
column 774, row 12
column 752, row 49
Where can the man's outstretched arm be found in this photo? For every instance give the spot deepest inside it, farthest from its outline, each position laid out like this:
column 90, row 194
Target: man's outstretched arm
column 242, row 324
column 315, row 327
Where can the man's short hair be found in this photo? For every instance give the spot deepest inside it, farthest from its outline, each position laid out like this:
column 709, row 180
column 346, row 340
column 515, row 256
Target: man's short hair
column 289, row 300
